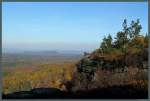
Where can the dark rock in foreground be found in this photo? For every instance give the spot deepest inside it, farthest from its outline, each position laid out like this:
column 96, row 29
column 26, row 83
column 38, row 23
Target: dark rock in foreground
column 114, row 92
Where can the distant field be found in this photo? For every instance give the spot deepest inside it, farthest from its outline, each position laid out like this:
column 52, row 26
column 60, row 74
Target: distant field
column 30, row 59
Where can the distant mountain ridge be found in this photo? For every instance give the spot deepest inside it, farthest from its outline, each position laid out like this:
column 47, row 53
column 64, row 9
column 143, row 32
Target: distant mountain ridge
column 47, row 52
column 40, row 52
column 27, row 58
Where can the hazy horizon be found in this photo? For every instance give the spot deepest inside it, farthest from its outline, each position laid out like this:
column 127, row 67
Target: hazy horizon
column 65, row 26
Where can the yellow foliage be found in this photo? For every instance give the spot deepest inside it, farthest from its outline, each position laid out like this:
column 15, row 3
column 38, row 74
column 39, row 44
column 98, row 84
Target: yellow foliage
column 42, row 76
column 139, row 40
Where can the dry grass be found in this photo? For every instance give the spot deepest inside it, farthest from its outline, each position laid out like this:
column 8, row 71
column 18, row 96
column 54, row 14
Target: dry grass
column 134, row 76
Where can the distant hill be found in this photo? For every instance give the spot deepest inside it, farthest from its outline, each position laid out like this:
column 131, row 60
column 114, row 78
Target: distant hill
column 29, row 58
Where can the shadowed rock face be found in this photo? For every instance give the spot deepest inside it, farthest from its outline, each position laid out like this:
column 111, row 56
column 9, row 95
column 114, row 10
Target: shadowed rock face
column 114, row 92
column 92, row 62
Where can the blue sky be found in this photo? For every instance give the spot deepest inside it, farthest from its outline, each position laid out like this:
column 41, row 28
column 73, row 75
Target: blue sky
column 66, row 26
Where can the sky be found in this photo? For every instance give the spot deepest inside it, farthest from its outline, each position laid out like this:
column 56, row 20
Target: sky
column 64, row 25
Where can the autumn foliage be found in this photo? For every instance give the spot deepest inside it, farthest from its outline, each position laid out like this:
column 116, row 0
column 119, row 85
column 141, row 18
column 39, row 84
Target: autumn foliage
column 44, row 76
